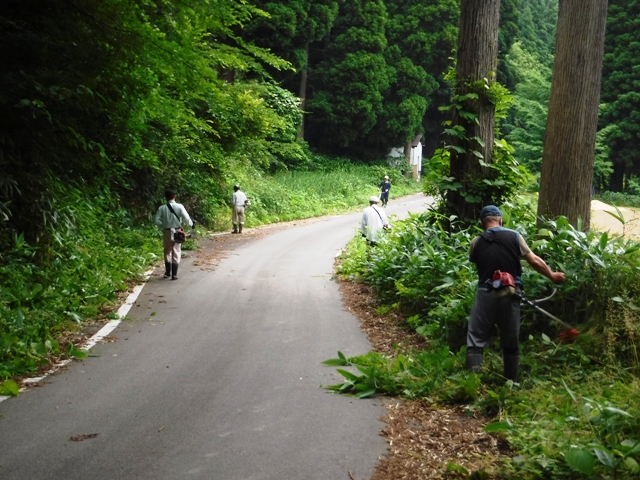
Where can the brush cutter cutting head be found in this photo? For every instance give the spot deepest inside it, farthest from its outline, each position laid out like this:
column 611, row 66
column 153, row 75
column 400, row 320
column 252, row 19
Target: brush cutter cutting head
column 569, row 336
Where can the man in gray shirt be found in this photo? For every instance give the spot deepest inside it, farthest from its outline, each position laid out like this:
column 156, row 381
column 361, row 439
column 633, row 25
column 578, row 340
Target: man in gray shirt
column 499, row 249
column 238, row 202
column 170, row 217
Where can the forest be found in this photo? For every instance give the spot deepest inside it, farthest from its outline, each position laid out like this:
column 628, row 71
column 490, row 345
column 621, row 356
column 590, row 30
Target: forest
column 106, row 103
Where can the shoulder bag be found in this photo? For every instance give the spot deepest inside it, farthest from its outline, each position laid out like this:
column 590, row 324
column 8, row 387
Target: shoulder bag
column 178, row 235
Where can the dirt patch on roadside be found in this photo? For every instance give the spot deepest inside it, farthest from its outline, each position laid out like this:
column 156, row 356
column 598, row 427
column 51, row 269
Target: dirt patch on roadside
column 604, row 222
column 422, row 439
column 387, row 333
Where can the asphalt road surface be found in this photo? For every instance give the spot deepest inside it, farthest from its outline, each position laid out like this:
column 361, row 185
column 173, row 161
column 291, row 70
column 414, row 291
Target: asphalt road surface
column 214, row 376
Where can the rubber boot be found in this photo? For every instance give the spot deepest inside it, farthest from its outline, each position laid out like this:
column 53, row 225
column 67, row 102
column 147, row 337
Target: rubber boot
column 240, row 228
column 474, row 362
column 235, row 228
column 174, row 271
column 167, row 269
column 511, row 367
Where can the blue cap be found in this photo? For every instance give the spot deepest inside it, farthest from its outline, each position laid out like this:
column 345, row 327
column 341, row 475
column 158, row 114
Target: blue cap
column 490, row 211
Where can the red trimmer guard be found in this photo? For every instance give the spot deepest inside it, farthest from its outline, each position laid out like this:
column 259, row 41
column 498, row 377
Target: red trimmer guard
column 569, row 336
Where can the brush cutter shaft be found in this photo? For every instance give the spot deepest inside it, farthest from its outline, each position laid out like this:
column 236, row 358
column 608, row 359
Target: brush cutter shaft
column 552, row 317
column 555, row 290
column 535, row 303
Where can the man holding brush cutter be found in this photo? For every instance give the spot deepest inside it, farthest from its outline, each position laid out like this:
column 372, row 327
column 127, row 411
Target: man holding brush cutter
column 496, row 253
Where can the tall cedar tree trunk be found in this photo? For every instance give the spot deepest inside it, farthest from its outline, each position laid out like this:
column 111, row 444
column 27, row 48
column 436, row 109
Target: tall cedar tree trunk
column 477, row 59
column 569, row 146
column 303, row 89
column 616, row 181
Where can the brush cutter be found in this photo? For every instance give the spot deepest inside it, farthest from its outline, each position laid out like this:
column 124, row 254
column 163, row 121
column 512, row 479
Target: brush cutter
column 570, row 334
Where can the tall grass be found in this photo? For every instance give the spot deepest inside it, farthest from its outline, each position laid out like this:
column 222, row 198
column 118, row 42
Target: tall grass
column 298, row 194
column 95, row 249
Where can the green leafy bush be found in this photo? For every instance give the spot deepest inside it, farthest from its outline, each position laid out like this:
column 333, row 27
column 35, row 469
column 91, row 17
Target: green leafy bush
column 91, row 258
column 433, row 374
column 425, row 271
column 575, row 412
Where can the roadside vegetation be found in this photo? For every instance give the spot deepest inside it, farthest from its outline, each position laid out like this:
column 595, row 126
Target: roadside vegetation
column 620, row 199
column 575, row 411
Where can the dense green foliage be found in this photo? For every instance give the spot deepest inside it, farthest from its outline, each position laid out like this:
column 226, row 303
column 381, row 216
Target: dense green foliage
column 128, row 96
column 537, row 28
column 499, row 177
column 526, row 125
column 420, row 34
column 372, row 80
column 95, row 250
column 620, row 115
column 572, row 396
column 527, row 36
column 349, row 81
column 288, row 29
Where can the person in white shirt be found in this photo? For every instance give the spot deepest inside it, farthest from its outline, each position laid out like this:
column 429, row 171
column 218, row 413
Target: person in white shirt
column 374, row 219
column 238, row 202
column 170, row 217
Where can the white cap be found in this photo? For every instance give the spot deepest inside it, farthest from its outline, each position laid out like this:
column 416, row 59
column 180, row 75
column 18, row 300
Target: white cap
column 386, row 176
column 374, row 199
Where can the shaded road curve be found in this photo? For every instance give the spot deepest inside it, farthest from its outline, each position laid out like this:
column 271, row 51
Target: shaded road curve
column 215, row 376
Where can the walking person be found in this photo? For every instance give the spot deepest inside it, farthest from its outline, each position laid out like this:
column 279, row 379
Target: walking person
column 170, row 217
column 238, row 202
column 374, row 219
column 499, row 249
column 384, row 187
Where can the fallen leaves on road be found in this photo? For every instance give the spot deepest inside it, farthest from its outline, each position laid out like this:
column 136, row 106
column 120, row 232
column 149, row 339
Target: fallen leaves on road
column 422, row 439
column 384, row 331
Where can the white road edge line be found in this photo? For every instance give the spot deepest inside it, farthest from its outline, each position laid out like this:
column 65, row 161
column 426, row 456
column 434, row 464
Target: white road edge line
column 99, row 335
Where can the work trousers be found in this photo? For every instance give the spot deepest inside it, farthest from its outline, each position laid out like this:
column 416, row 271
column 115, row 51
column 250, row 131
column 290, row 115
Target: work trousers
column 238, row 215
column 488, row 311
column 171, row 248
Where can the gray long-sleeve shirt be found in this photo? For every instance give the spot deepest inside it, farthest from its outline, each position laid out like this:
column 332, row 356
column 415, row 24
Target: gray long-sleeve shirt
column 165, row 219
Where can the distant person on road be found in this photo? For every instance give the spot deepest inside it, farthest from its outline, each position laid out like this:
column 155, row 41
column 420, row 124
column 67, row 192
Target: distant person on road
column 170, row 217
column 238, row 203
column 374, row 219
column 384, row 187
column 499, row 249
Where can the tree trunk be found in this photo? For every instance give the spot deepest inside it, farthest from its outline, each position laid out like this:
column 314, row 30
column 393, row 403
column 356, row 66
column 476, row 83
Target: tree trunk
column 477, row 60
column 569, row 147
column 616, row 181
column 303, row 89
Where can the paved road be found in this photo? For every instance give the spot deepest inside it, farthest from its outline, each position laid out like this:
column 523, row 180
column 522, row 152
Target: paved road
column 223, row 382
